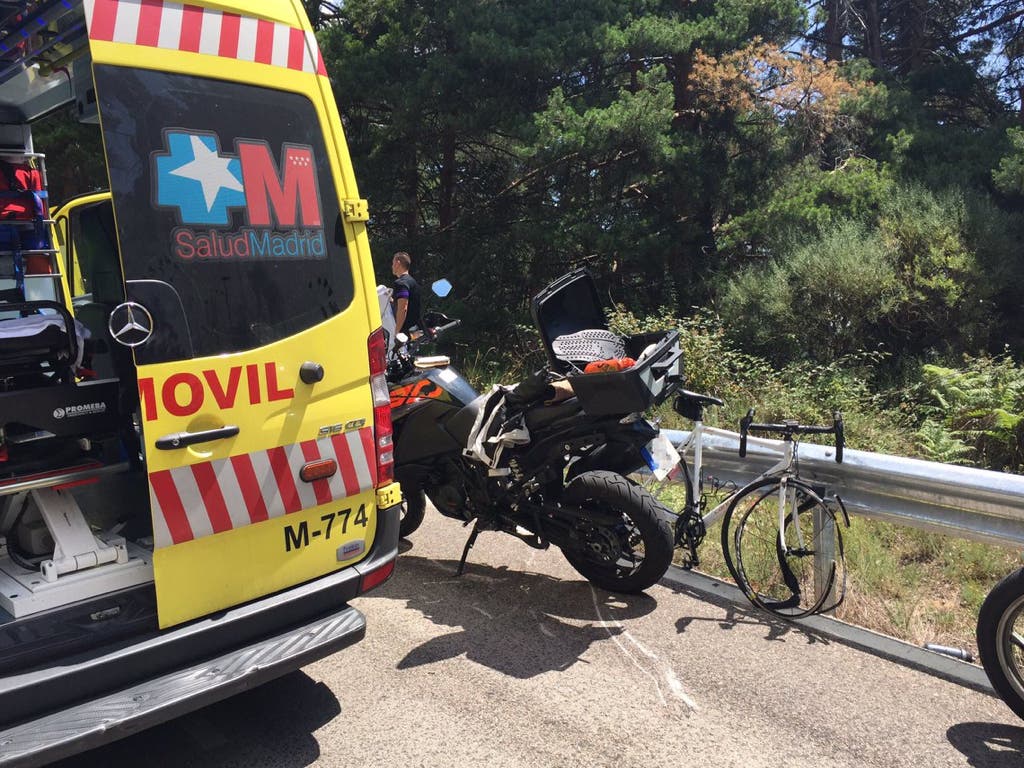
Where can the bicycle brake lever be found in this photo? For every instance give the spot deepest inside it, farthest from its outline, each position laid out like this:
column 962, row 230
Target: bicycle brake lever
column 837, row 422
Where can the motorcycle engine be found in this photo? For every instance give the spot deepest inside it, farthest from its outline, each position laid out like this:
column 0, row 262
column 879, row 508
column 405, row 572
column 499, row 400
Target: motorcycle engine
column 450, row 501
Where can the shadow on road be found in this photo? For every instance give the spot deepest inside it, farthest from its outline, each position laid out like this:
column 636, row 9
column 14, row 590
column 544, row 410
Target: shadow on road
column 271, row 725
column 520, row 624
column 989, row 745
column 735, row 615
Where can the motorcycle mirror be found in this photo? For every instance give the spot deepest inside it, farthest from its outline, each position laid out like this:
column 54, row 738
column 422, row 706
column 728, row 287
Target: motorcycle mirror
column 441, row 287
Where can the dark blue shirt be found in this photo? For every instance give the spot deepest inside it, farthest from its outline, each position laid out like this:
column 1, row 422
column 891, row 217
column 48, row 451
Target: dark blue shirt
column 406, row 288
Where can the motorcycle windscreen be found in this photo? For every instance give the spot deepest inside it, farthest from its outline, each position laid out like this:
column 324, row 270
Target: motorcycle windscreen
column 237, row 272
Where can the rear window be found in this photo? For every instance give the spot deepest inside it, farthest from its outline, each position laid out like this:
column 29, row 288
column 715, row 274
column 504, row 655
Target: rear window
column 95, row 244
column 226, row 210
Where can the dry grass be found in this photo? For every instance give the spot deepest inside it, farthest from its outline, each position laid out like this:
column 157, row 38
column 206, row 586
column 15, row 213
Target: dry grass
column 917, row 586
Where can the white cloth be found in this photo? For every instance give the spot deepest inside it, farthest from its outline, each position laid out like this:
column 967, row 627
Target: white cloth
column 480, row 437
column 26, row 327
column 387, row 316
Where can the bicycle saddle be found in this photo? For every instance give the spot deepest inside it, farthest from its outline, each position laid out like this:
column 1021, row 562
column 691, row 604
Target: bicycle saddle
column 690, row 405
column 697, row 398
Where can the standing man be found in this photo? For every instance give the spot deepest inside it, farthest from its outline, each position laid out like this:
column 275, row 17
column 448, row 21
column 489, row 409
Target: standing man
column 405, row 294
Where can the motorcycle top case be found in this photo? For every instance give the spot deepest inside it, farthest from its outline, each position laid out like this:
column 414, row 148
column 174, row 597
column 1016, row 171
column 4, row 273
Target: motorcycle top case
column 569, row 305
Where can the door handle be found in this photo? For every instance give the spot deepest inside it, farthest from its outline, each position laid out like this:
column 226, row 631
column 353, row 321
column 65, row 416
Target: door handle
column 183, row 439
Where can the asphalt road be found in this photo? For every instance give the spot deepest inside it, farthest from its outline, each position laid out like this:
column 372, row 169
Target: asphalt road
column 520, row 663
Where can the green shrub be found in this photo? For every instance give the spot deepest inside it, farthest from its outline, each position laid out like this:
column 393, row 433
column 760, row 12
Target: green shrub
column 913, row 278
column 807, row 391
column 1009, row 176
column 819, row 302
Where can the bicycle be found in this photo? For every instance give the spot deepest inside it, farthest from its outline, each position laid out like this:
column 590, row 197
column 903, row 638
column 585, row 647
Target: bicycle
column 780, row 536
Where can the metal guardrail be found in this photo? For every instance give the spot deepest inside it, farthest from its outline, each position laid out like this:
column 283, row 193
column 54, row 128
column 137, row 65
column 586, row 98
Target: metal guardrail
column 956, row 501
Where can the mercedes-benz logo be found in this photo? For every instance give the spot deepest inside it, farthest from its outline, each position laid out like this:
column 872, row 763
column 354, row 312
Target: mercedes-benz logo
column 130, row 324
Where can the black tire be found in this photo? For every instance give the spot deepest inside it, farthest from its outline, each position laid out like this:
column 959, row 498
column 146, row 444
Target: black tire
column 1001, row 640
column 630, row 556
column 414, row 505
column 780, row 576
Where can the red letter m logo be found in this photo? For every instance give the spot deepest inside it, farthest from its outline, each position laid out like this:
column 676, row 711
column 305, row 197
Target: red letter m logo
column 285, row 193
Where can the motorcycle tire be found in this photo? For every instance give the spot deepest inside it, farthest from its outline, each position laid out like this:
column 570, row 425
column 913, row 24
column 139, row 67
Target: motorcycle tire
column 1001, row 654
column 414, row 505
column 604, row 555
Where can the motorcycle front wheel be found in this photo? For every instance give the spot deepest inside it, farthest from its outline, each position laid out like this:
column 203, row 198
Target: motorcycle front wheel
column 629, row 555
column 1001, row 640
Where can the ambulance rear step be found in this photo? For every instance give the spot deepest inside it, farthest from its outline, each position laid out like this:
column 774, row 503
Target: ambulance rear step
column 132, row 709
column 108, row 662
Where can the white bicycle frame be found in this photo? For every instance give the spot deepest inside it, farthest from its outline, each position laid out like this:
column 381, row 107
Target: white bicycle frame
column 696, row 441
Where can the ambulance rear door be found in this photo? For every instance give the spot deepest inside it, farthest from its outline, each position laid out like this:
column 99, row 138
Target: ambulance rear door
column 246, row 304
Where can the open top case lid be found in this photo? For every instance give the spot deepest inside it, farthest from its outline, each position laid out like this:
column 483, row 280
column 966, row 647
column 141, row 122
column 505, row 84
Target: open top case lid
column 568, row 305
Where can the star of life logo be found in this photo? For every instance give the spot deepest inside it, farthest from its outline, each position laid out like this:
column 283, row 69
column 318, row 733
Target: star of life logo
column 205, row 186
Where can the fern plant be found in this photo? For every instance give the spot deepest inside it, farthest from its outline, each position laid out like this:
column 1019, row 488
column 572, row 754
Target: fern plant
column 938, row 443
column 980, row 405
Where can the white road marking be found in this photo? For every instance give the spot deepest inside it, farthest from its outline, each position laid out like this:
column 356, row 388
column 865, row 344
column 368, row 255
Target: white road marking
column 675, row 687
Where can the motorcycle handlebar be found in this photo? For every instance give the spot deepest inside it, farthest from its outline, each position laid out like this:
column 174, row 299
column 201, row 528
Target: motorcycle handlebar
column 435, row 332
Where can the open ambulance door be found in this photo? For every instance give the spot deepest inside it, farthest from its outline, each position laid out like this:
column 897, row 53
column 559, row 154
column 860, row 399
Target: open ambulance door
column 244, row 304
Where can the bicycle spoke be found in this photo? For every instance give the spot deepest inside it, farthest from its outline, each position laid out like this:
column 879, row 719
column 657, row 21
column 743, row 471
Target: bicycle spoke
column 1017, row 641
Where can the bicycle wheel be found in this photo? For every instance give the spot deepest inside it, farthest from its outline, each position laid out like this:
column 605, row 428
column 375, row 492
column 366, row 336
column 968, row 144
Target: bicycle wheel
column 797, row 573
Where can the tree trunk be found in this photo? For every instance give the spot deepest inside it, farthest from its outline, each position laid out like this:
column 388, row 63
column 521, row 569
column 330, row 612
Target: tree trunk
column 911, row 35
column 835, row 29
column 446, row 204
column 682, row 67
column 411, row 184
column 873, row 32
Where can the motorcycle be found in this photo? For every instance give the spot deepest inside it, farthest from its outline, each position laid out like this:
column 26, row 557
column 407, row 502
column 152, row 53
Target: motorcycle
column 999, row 632
column 546, row 461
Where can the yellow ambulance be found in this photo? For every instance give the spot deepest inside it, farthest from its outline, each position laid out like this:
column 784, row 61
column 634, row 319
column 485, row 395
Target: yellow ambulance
column 196, row 470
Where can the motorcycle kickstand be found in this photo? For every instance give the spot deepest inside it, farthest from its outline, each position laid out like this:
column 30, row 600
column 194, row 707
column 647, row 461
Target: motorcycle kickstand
column 469, row 545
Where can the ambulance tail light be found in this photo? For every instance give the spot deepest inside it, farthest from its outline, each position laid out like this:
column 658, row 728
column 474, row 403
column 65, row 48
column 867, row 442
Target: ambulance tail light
column 382, row 429
column 376, row 577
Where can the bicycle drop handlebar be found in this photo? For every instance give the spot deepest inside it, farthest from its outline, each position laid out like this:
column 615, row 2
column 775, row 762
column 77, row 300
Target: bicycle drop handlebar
column 788, row 428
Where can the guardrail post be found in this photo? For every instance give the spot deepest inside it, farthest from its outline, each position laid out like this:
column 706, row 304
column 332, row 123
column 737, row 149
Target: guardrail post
column 824, row 553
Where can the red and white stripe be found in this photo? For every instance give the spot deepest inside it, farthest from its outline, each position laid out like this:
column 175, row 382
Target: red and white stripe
column 182, row 27
column 215, row 496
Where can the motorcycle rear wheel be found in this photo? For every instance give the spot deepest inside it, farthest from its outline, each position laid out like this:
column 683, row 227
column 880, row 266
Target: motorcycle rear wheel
column 629, row 556
column 414, row 505
column 1001, row 640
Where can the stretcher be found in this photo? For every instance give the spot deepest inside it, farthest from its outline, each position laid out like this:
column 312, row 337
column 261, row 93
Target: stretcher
column 42, row 399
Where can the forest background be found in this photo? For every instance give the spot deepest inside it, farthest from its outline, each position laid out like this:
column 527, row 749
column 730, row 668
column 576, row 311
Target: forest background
column 827, row 197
